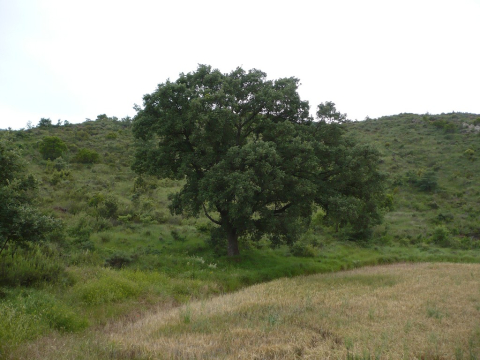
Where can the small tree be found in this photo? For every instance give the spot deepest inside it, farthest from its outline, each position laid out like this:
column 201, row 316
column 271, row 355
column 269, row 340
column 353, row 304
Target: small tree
column 254, row 161
column 52, row 147
column 44, row 122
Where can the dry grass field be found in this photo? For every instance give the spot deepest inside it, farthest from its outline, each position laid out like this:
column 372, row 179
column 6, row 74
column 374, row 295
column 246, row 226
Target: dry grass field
column 403, row 311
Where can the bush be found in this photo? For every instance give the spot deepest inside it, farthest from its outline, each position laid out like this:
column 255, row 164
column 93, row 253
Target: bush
column 302, row 250
column 86, row 156
column 118, row 260
column 105, row 206
column 441, row 236
column 469, row 154
column 52, row 147
column 111, row 136
column 59, row 176
column 428, row 182
column 445, row 218
column 177, row 237
column 26, row 267
column 60, row 164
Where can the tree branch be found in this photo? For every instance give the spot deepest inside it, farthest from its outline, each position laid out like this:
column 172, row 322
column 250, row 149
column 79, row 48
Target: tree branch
column 209, row 217
column 282, row 209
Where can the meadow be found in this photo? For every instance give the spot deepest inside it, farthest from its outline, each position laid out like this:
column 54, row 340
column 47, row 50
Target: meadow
column 401, row 311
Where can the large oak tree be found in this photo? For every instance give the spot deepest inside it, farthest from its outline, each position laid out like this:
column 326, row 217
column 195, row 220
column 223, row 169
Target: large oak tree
column 254, row 161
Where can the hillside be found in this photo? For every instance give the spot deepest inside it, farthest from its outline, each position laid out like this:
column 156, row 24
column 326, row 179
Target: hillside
column 120, row 249
column 431, row 162
column 433, row 168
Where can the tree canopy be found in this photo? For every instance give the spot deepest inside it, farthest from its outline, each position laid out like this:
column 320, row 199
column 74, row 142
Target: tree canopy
column 253, row 159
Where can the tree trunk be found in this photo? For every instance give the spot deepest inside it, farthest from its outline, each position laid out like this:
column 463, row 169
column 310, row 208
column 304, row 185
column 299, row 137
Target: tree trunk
column 232, row 247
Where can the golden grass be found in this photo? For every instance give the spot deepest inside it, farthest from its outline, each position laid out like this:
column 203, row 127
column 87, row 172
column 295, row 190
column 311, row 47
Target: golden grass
column 404, row 311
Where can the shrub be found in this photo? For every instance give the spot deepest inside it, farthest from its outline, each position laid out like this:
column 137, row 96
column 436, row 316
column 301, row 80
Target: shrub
column 441, row 236
column 105, row 206
column 447, row 218
column 118, row 260
column 26, row 267
column 86, row 156
column 204, row 228
column 60, row 164
column 302, row 250
column 59, row 176
column 450, row 128
column 177, row 237
column 469, row 154
column 428, row 182
column 52, row 147
column 111, row 136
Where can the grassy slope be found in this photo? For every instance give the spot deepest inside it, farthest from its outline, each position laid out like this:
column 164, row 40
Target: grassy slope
column 414, row 145
column 166, row 260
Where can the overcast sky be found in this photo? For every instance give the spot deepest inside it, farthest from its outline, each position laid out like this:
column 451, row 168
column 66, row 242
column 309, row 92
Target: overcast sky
column 72, row 60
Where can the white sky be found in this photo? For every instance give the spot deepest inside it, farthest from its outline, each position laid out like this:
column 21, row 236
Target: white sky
column 72, row 60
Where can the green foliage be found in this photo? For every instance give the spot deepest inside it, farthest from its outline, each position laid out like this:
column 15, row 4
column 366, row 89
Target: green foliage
column 111, row 136
column 176, row 236
column 302, row 250
column 60, row 164
column 44, row 123
column 470, row 154
column 109, row 287
column 444, row 218
column 254, row 160
column 105, row 206
column 447, row 126
column 86, row 156
column 169, row 271
column 426, row 181
column 29, row 266
column 52, row 147
column 389, row 203
column 10, row 163
column 441, row 235
column 27, row 314
column 118, row 260
column 59, row 176
column 20, row 222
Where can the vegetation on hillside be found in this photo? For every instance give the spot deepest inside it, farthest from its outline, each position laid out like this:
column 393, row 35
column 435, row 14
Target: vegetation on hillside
column 118, row 245
column 433, row 165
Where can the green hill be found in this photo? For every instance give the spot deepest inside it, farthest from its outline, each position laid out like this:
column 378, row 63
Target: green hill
column 431, row 162
column 120, row 247
column 433, row 166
